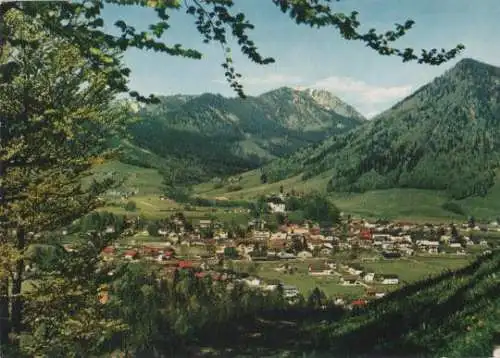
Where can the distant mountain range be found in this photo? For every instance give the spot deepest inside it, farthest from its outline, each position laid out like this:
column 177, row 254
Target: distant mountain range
column 445, row 136
column 194, row 138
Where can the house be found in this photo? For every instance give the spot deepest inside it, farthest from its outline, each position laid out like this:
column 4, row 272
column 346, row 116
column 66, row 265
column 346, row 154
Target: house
column 325, row 251
column 304, row 255
column 175, row 238
column 369, row 277
column 108, row 251
column 277, row 207
column 371, row 292
column 391, row 254
column 221, row 235
column 149, row 251
column 407, row 251
column 261, row 235
column 277, row 245
column 276, row 204
column 331, row 264
column 290, row 291
column 299, row 230
column 205, row 224
column 103, row 294
column 349, row 280
column 185, row 265
column 162, row 232
column 252, row 282
column 366, row 235
column 313, row 243
column 278, row 236
column 354, row 271
column 166, row 255
column 320, row 270
column 358, row 303
column 315, row 231
column 390, row 280
column 285, row 255
column 130, row 255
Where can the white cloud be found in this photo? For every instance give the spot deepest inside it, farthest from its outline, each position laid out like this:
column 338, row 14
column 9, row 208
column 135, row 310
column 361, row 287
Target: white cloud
column 364, row 92
column 368, row 99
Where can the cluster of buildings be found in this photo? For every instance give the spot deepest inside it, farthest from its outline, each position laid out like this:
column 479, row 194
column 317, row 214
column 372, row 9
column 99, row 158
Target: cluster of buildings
column 385, row 239
column 177, row 249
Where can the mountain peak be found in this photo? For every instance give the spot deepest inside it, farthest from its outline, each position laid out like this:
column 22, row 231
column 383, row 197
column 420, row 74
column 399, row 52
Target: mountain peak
column 328, row 100
column 469, row 64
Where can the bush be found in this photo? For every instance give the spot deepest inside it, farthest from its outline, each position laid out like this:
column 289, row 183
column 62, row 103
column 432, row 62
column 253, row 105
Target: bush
column 131, row 206
column 453, row 208
column 218, row 185
column 153, row 229
column 234, row 188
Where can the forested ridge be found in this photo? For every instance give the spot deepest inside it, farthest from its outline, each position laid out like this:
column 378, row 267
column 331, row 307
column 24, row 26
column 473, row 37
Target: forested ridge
column 218, row 136
column 444, row 136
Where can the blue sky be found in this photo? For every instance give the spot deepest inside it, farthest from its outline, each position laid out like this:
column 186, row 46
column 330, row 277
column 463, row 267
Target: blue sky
column 307, row 57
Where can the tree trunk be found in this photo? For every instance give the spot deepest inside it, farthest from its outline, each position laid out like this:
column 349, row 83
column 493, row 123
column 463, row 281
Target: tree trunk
column 4, row 283
column 17, row 282
column 4, row 313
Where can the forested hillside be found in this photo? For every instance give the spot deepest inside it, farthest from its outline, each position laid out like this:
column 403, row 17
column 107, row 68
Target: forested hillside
column 445, row 136
column 194, row 138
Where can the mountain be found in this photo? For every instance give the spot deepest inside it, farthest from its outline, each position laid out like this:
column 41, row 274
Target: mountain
column 444, row 136
column 195, row 138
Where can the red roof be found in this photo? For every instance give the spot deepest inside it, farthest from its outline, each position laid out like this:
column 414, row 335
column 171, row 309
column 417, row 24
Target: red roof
column 108, row 250
column 315, row 231
column 366, row 234
column 358, row 302
column 130, row 253
column 185, row 264
column 200, row 274
column 315, row 241
column 277, row 244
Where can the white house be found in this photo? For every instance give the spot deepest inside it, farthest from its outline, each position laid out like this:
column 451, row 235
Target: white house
column 290, row 291
column 369, row 277
column 390, row 280
column 162, row 232
column 285, row 255
column 304, row 255
column 252, row 282
column 277, row 207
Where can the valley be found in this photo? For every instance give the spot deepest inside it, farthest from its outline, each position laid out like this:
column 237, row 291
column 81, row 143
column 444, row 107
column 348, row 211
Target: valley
column 304, row 200
column 423, row 177
column 383, row 151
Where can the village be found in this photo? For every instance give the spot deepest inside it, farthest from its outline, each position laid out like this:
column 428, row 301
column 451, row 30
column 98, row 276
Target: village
column 351, row 259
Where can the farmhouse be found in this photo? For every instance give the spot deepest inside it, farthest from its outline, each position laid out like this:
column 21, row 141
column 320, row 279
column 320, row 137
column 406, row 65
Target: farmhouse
column 130, row 255
column 290, row 291
column 390, row 280
column 349, row 280
column 304, row 255
column 320, row 270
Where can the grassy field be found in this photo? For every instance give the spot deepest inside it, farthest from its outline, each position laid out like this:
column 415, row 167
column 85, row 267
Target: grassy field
column 394, row 204
column 408, row 269
column 416, row 268
column 397, row 204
